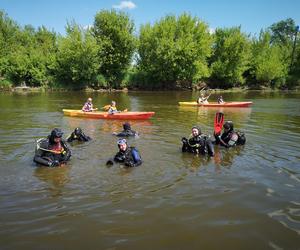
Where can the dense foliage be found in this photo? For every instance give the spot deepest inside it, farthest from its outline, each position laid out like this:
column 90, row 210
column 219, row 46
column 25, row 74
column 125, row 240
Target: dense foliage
column 231, row 57
column 176, row 51
column 268, row 65
column 77, row 63
column 114, row 35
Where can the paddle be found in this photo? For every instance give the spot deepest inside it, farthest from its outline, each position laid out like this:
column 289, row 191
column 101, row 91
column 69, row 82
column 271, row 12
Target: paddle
column 218, row 123
column 106, row 107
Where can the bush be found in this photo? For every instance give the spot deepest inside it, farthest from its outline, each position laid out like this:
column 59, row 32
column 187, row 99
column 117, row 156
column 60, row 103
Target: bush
column 5, row 84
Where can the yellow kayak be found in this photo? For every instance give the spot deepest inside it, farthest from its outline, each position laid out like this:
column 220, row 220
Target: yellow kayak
column 105, row 115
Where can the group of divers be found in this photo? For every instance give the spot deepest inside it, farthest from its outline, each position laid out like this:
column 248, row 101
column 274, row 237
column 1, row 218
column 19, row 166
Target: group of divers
column 53, row 151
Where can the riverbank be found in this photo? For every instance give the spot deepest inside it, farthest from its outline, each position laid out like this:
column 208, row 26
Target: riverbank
column 24, row 89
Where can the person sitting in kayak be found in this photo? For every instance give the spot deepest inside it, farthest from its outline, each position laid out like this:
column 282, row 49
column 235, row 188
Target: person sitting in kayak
column 220, row 100
column 79, row 135
column 113, row 109
column 88, row 106
column 229, row 137
column 127, row 155
column 52, row 151
column 203, row 99
column 127, row 131
column 198, row 143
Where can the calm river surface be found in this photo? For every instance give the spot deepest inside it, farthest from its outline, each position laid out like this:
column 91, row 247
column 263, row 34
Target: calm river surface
column 243, row 198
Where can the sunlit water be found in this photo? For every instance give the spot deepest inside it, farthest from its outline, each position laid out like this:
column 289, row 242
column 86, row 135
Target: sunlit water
column 243, row 198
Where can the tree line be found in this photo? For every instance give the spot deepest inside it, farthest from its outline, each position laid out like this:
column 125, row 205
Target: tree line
column 174, row 52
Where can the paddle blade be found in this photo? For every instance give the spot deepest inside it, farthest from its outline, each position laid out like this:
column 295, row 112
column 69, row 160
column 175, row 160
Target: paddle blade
column 106, row 107
column 218, row 124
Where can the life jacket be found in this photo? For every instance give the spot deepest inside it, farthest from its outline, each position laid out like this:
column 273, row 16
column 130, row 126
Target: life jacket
column 112, row 110
column 88, row 107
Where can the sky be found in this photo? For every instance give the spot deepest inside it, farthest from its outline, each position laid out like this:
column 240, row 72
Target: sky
column 252, row 15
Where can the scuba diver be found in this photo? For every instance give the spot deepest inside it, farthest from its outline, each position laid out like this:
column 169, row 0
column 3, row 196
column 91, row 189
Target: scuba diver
column 52, row 151
column 127, row 155
column 78, row 134
column 127, row 131
column 229, row 137
column 198, row 143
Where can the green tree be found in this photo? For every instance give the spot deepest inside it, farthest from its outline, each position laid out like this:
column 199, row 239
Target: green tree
column 32, row 57
column 8, row 31
column 77, row 63
column 267, row 62
column 231, row 57
column 283, row 33
column 116, row 42
column 174, row 51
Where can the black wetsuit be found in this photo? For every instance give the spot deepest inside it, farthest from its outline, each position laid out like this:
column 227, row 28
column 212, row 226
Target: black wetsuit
column 50, row 159
column 227, row 139
column 80, row 137
column 130, row 157
column 200, row 144
column 127, row 133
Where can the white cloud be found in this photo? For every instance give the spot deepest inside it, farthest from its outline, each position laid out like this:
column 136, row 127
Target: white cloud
column 125, row 5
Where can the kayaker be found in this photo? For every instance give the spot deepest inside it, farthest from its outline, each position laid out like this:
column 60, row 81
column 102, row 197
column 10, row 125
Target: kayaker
column 113, row 109
column 198, row 143
column 88, row 106
column 127, row 131
column 220, row 100
column 127, row 155
column 79, row 135
column 53, row 150
column 203, row 99
column 229, row 137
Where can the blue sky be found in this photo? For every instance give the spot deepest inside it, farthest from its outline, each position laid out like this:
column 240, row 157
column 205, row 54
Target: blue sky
column 251, row 15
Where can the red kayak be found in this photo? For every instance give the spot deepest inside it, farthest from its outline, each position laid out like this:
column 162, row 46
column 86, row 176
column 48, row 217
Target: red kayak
column 215, row 104
column 105, row 115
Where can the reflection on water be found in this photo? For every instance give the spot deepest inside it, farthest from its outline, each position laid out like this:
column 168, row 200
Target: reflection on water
column 56, row 178
column 242, row 198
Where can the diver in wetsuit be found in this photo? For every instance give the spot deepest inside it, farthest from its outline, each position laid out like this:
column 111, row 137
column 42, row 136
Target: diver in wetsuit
column 229, row 137
column 198, row 143
column 79, row 135
column 127, row 155
column 52, row 151
column 127, row 131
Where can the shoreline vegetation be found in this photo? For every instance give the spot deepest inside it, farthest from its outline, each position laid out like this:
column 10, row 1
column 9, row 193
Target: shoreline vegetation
column 173, row 53
column 25, row 89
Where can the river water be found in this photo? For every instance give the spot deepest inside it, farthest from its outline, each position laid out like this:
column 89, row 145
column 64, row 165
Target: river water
column 243, row 198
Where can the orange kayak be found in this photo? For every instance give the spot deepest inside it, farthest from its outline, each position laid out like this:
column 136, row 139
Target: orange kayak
column 215, row 104
column 105, row 115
